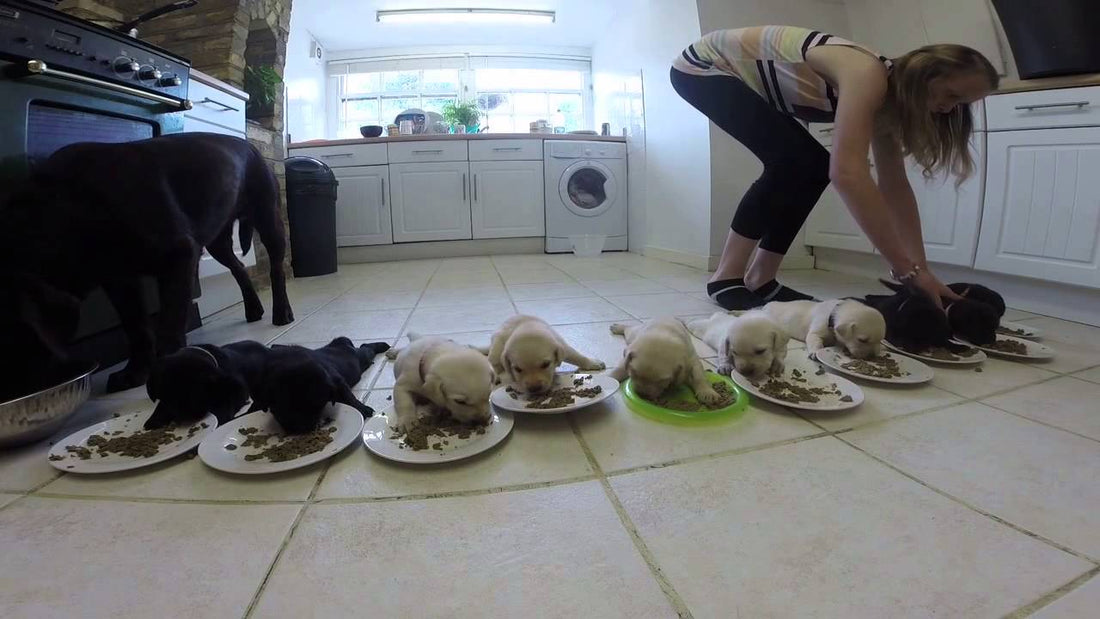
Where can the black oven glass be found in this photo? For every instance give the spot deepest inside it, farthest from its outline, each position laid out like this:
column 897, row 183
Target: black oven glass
column 51, row 127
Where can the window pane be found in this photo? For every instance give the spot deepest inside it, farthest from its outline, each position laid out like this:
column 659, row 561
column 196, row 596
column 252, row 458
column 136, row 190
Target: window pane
column 440, row 80
column 500, row 124
column 362, row 82
column 401, row 81
column 361, row 109
column 530, row 103
column 572, row 109
column 392, row 106
column 494, row 79
column 493, row 102
column 435, row 104
column 556, row 80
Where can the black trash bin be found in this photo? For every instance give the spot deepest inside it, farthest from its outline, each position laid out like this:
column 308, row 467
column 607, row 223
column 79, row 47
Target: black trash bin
column 311, row 207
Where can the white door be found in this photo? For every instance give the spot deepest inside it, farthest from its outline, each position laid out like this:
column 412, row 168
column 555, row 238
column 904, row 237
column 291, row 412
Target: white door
column 949, row 216
column 507, row 199
column 362, row 206
column 1041, row 216
column 430, row 201
column 831, row 225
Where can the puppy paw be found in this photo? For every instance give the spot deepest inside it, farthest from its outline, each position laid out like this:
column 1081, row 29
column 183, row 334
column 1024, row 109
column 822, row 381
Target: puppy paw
column 618, row 329
column 777, row 368
column 708, row 396
column 593, row 365
column 725, row 369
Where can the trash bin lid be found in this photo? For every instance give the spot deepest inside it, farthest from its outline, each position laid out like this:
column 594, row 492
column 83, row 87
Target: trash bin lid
column 307, row 170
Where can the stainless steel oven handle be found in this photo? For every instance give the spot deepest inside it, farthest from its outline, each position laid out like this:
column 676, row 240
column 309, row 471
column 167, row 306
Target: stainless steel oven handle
column 38, row 67
column 1044, row 106
column 225, row 108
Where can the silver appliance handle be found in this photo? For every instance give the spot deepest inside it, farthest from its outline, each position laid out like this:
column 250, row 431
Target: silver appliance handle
column 501, row 149
column 225, row 108
column 428, row 151
column 463, row 186
column 337, row 155
column 475, row 187
column 38, row 67
column 1043, row 106
column 383, row 192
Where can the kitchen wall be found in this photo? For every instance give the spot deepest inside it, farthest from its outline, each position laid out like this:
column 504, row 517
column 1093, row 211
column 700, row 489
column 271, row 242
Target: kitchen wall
column 304, row 79
column 670, row 194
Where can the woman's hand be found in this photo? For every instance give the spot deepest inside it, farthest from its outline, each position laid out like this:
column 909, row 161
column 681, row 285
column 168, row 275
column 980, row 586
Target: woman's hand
column 933, row 287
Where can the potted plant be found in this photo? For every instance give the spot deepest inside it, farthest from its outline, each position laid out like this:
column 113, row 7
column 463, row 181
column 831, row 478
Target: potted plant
column 262, row 85
column 461, row 113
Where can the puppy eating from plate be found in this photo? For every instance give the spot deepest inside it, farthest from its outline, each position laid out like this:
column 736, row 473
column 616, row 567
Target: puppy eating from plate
column 527, row 351
column 751, row 342
column 451, row 376
column 855, row 326
column 659, row 355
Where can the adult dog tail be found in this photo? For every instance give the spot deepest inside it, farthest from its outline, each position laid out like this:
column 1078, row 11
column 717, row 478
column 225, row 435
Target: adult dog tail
column 244, row 234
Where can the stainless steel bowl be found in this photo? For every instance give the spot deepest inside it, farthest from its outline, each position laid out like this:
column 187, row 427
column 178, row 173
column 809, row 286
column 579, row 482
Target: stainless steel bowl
column 38, row 415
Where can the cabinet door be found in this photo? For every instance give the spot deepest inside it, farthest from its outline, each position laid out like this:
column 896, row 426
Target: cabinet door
column 363, row 206
column 507, row 199
column 949, row 216
column 431, row 201
column 1041, row 214
column 831, row 225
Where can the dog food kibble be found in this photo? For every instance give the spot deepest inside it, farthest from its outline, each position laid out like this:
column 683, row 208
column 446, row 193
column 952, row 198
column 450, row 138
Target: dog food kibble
column 56, row 457
column 820, row 371
column 562, row 397
column 944, row 354
column 846, row 398
column 879, row 367
column 231, row 447
column 788, row 392
column 140, row 444
column 290, row 447
column 978, row 369
column 676, row 404
column 1007, row 331
column 1011, row 347
column 437, row 423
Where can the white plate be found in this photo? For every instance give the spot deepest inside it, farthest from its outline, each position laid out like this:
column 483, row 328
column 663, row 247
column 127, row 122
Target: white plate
column 378, row 437
column 913, row 372
column 1029, row 332
column 809, row 371
column 1035, row 350
column 127, row 424
column 503, row 400
column 348, row 422
column 974, row 359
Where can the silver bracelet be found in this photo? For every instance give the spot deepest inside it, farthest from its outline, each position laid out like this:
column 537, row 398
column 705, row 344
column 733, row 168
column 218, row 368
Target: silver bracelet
column 905, row 277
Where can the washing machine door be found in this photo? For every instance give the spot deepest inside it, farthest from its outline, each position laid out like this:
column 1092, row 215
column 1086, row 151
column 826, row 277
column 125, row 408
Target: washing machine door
column 587, row 188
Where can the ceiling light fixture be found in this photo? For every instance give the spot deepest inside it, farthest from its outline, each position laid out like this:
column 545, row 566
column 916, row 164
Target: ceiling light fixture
column 482, row 16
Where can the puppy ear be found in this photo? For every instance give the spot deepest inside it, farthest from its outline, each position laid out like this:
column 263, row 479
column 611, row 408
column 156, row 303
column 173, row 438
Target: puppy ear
column 844, row 329
column 231, row 391
column 678, row 375
column 779, row 342
column 507, row 363
column 559, row 355
column 433, row 388
column 152, row 385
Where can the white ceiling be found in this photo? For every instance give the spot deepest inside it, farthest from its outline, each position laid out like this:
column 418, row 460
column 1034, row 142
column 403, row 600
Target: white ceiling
column 341, row 25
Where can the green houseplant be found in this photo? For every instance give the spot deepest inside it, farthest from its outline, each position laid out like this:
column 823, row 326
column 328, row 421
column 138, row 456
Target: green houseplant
column 461, row 113
column 262, row 85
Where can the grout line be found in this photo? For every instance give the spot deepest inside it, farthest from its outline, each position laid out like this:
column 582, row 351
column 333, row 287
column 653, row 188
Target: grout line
column 1042, row 423
column 1053, row 596
column 455, row 493
column 973, row 508
column 138, row 499
column 673, row 597
column 715, row 456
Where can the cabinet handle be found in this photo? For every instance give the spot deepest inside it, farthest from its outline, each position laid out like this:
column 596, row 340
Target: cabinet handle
column 225, row 108
column 475, row 187
column 826, row 130
column 1043, row 106
column 431, row 151
column 337, row 155
column 383, row 192
column 463, row 186
column 502, row 149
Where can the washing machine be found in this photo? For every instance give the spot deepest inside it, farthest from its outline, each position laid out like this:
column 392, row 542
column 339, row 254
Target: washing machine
column 585, row 193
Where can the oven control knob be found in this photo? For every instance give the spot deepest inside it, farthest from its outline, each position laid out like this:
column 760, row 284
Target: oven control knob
column 123, row 64
column 148, row 73
column 169, row 82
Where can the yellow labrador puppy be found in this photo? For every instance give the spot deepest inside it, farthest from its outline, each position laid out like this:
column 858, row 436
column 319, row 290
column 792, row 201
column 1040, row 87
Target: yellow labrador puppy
column 751, row 342
column 855, row 326
column 659, row 354
column 527, row 350
column 447, row 374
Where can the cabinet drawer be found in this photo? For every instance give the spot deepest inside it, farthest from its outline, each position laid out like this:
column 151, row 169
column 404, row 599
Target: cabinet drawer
column 215, row 106
column 345, row 156
column 505, row 150
column 1065, row 107
column 435, row 150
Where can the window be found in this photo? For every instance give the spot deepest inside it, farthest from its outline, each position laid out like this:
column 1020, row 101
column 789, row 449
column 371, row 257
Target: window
column 511, row 99
column 376, row 98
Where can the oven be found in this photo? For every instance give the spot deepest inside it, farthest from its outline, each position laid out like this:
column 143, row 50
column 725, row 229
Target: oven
column 64, row 80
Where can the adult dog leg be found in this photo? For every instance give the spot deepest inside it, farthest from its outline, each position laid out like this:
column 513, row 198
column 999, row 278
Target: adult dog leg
column 222, row 251
column 126, row 295
column 174, row 285
column 264, row 198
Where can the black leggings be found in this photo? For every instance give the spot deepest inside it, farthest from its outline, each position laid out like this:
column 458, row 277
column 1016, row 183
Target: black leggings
column 796, row 166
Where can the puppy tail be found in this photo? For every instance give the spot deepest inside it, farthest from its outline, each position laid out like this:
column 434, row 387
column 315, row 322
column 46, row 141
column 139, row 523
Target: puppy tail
column 618, row 329
column 413, row 336
column 392, row 353
column 244, row 234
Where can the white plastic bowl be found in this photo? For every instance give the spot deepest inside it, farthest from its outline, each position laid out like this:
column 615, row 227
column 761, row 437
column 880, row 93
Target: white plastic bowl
column 587, row 245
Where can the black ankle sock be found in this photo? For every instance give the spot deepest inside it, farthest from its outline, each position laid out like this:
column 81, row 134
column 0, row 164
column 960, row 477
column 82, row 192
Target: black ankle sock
column 732, row 294
column 774, row 291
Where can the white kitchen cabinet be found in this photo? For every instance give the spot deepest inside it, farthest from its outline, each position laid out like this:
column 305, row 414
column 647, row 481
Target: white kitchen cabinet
column 507, row 199
column 363, row 206
column 1041, row 214
column 430, row 201
column 949, row 216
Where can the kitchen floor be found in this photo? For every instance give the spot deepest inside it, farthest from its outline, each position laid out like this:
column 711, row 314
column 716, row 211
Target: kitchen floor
column 975, row 496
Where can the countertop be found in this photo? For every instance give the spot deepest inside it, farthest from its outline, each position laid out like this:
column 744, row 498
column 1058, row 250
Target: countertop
column 461, row 136
column 214, row 82
column 1049, row 83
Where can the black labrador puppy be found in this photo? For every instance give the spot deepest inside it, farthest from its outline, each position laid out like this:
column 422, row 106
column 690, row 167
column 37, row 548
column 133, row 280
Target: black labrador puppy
column 913, row 321
column 105, row 214
column 292, row 382
column 981, row 294
column 972, row 321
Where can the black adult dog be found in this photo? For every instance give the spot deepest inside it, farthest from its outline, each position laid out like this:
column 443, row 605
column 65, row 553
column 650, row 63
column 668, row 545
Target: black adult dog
column 104, row 214
column 913, row 321
column 292, row 382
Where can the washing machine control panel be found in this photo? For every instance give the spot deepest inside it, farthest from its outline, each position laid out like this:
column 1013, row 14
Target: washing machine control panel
column 565, row 149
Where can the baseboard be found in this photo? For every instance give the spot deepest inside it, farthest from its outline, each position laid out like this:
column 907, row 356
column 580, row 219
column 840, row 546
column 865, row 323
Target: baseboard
column 439, row 249
column 1031, row 295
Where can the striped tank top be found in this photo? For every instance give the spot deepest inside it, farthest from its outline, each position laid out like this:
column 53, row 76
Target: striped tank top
column 772, row 61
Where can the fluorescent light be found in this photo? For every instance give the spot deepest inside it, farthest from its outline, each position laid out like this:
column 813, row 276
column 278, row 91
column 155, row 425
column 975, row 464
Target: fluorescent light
column 482, row 16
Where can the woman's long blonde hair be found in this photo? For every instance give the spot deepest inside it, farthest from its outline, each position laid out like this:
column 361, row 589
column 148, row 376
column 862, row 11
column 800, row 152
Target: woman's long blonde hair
column 935, row 141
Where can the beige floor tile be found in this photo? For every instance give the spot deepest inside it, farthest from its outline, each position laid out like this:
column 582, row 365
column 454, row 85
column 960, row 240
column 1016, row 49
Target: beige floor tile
column 1077, row 346
column 595, row 340
column 443, row 297
column 883, row 402
column 817, row 529
column 655, row 305
column 560, row 551
column 1092, row 375
column 460, row 279
column 485, row 316
column 520, row 276
column 541, row 448
column 228, row 330
column 558, row 290
column 1077, row 604
column 1015, row 314
column 600, row 273
column 627, row 287
column 325, row 325
column 693, row 282
column 81, row 558
column 1067, row 403
column 7, row 498
column 996, row 375
column 621, row 439
column 385, row 376
column 374, row 299
column 571, row 311
column 1036, row 477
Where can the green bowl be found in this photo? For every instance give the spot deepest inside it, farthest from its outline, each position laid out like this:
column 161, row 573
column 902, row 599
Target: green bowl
column 683, row 393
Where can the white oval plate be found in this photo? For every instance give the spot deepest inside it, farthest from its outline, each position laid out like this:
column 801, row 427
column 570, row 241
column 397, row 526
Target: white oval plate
column 1035, row 350
column 1028, row 332
column 974, row 359
column 348, row 422
column 809, row 371
column 503, row 400
column 114, row 463
column 915, row 372
column 378, row 437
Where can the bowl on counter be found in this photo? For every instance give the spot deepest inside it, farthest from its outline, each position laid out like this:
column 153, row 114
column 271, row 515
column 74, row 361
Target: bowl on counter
column 37, row 415
column 371, row 131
